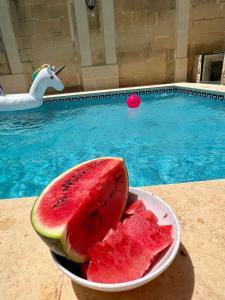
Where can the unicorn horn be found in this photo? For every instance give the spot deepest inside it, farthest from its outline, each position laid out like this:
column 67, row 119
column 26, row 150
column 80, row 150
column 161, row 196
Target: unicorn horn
column 59, row 70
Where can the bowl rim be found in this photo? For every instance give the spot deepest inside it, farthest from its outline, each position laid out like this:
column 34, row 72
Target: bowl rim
column 133, row 283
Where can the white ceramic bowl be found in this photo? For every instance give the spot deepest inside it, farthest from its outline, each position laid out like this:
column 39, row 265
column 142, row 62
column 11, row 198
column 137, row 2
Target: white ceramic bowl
column 165, row 216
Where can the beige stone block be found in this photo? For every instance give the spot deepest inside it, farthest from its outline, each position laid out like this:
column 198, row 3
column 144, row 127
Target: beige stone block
column 39, row 11
column 4, row 68
column 100, row 77
column 206, row 43
column 60, row 38
column 49, row 26
column 49, row 2
column 131, row 5
column 162, row 29
column 13, row 83
column 146, row 71
column 56, row 53
column 208, row 11
column 124, row 20
column 208, row 26
column 23, row 13
column 24, row 42
column 132, row 69
column 142, row 73
column 197, row 3
column 165, row 42
column 57, row 11
column 165, row 16
column 26, row 55
column 143, row 18
column 160, row 4
column 25, row 2
column 26, row 28
column 41, row 40
column 27, row 68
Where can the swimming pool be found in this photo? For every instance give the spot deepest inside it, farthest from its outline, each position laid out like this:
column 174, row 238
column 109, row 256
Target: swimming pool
column 170, row 138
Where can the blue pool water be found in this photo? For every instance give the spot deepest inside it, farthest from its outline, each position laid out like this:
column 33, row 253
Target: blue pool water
column 168, row 139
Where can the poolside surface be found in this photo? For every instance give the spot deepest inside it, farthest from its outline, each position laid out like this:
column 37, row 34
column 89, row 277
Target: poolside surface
column 198, row 272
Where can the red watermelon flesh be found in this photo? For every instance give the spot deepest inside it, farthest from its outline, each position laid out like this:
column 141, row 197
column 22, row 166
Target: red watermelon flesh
column 153, row 236
column 149, row 216
column 78, row 208
column 136, row 207
column 127, row 253
column 120, row 258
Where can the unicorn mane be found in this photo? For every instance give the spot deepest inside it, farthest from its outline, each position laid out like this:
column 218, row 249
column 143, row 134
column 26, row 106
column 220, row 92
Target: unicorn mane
column 34, row 74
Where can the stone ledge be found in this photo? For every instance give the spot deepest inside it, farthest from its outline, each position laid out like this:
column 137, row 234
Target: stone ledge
column 28, row 273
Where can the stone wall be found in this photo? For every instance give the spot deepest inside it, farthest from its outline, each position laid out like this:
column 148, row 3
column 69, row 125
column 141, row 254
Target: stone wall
column 43, row 35
column 145, row 34
column 146, row 37
column 206, row 29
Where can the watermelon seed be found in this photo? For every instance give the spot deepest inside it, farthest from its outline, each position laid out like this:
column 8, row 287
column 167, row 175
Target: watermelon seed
column 94, row 213
column 60, row 202
column 111, row 194
column 118, row 178
column 105, row 203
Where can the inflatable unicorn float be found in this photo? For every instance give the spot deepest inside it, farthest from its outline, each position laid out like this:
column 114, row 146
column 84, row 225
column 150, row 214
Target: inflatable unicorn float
column 43, row 77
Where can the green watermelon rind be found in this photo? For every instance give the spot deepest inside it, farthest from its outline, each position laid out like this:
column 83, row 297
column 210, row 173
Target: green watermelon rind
column 55, row 238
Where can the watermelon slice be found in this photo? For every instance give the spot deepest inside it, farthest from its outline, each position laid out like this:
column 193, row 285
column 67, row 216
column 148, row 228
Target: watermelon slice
column 138, row 207
column 127, row 253
column 148, row 215
column 150, row 234
column 119, row 258
column 135, row 207
column 78, row 208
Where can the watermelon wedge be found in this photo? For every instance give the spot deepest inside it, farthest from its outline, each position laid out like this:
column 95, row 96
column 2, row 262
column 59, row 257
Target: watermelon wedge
column 120, row 258
column 148, row 215
column 78, row 208
column 127, row 252
column 135, row 207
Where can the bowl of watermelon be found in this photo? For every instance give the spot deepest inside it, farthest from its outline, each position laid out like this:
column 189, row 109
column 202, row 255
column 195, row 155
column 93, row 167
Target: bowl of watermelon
column 101, row 233
column 142, row 246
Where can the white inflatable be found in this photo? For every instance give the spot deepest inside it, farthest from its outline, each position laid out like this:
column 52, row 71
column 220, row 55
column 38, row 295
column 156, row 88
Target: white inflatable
column 45, row 78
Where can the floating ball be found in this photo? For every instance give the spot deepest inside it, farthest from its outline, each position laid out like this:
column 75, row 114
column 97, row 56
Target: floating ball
column 133, row 101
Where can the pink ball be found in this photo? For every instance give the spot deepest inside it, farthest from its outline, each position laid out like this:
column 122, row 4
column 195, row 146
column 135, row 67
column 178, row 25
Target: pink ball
column 133, row 101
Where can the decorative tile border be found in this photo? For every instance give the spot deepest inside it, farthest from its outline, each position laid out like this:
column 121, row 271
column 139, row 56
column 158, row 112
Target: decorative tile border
column 141, row 92
column 200, row 93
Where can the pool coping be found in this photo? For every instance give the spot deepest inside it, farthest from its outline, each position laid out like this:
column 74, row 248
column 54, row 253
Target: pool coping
column 200, row 208
column 213, row 92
